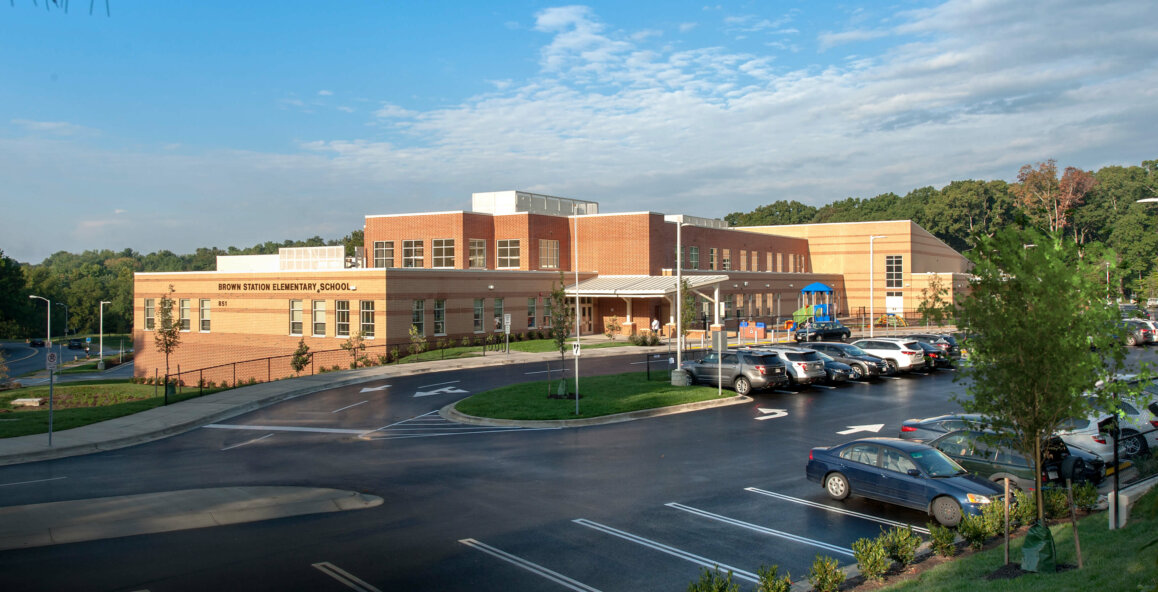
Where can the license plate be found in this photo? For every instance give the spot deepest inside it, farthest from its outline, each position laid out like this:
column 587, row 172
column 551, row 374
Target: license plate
column 1052, row 474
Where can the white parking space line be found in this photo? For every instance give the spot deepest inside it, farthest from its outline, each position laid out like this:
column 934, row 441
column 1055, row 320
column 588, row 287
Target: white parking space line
column 761, row 529
column 35, row 481
column 813, row 504
column 351, row 581
column 222, row 426
column 696, row 559
column 534, row 568
column 823, row 386
column 348, row 406
column 440, row 384
column 247, row 442
column 783, row 392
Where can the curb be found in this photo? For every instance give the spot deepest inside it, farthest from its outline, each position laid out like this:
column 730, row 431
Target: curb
column 449, row 412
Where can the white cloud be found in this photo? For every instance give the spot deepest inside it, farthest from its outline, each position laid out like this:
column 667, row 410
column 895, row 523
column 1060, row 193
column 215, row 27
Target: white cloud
column 829, row 40
column 325, row 93
column 686, row 27
column 56, row 128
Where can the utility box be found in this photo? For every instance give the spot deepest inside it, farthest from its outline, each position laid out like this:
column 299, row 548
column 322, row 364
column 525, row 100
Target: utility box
column 680, row 377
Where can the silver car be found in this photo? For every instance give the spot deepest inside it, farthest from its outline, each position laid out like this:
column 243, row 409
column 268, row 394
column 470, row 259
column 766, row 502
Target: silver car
column 900, row 354
column 804, row 365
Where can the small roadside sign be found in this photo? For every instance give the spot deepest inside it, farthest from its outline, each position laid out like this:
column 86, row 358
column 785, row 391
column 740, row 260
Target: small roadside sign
column 50, row 361
column 88, row 339
column 507, row 323
column 575, row 349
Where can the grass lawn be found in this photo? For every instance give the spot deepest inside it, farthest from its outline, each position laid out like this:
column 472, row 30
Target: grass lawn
column 77, row 404
column 1113, row 560
column 601, row 395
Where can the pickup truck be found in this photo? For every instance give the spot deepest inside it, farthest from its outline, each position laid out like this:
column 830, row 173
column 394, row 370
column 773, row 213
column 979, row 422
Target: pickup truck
column 822, row 331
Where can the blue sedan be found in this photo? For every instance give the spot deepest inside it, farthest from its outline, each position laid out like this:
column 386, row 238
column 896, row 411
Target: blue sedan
column 901, row 472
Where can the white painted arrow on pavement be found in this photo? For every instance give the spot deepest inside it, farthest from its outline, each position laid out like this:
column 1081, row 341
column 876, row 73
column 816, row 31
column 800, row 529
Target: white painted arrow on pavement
column 375, row 388
column 876, row 427
column 774, row 413
column 446, row 390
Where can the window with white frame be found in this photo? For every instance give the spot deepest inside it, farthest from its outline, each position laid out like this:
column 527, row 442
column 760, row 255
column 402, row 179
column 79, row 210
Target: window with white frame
column 726, row 260
column 383, row 253
column 150, row 313
column 894, row 277
column 508, row 253
column 743, row 260
column 342, row 318
column 479, row 309
column 186, row 312
column 440, row 317
column 712, row 258
column 548, row 254
column 412, row 253
column 296, row 313
column 498, row 314
column 366, row 308
column 442, row 250
column 478, row 253
column 318, row 318
column 530, row 313
column 203, row 315
column 418, row 316
column 693, row 260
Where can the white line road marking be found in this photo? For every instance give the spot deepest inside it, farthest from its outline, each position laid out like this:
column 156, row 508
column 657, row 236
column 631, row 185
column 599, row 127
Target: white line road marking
column 371, row 389
column 824, row 386
column 696, row 559
column 405, row 420
column 348, row 406
column 534, row 568
column 875, row 427
column 351, row 581
column 222, row 426
column 775, row 413
column 783, row 392
column 761, row 529
column 805, row 502
column 246, row 442
column 446, row 390
column 432, row 435
column 36, row 481
column 892, row 377
column 440, row 384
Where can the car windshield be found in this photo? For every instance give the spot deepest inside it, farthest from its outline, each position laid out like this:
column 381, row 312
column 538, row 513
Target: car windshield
column 852, row 350
column 934, row 463
column 802, row 356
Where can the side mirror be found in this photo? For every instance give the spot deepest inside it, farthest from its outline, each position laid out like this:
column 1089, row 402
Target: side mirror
column 914, row 473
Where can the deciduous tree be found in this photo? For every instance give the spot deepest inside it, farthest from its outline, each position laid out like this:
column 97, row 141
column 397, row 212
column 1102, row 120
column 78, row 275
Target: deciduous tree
column 1048, row 200
column 167, row 333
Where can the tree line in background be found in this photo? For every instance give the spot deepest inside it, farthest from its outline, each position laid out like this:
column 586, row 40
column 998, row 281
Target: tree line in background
column 81, row 281
column 1097, row 210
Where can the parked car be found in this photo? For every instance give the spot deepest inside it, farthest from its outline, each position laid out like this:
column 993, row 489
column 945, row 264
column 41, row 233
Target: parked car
column 1096, row 432
column 75, row 344
column 836, row 372
column 901, row 472
column 822, row 331
column 994, row 458
column 863, row 365
column 740, row 371
column 804, row 366
column 944, row 341
column 899, row 354
column 935, row 357
column 1136, row 332
column 931, row 428
column 34, row 342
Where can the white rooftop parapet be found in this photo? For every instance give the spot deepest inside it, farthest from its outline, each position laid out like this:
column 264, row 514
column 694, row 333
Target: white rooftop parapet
column 512, row 202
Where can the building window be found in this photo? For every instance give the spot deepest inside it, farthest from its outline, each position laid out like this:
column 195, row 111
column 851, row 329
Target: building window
column 204, row 315
column 443, row 251
column 893, row 275
column 498, row 314
column 318, row 317
column 548, row 254
column 383, row 253
column 547, row 322
column 693, row 260
column 771, row 262
column 743, row 260
column 186, row 311
column 150, row 313
column 530, row 313
column 726, row 260
column 412, row 255
column 367, row 309
column 418, row 316
column 478, row 253
column 755, row 261
column 508, row 253
column 440, row 317
column 712, row 258
column 478, row 315
column 342, row 318
column 295, row 317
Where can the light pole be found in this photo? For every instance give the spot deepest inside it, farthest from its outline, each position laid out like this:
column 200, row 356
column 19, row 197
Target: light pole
column 679, row 295
column 872, row 310
column 578, row 344
column 101, row 356
column 48, row 341
column 48, row 351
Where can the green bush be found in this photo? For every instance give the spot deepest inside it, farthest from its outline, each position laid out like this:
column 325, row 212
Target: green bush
column 771, row 582
column 713, row 581
column 1057, row 503
column 1024, row 510
column 901, row 544
column 942, row 539
column 1085, row 495
column 872, row 558
column 824, row 575
column 993, row 517
column 974, row 530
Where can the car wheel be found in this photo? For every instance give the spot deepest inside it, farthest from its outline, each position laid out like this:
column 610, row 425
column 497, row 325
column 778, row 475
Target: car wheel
column 845, row 337
column 858, row 372
column 947, row 511
column 837, row 486
column 1131, row 340
column 893, row 367
column 1133, row 444
column 1074, row 469
column 742, row 386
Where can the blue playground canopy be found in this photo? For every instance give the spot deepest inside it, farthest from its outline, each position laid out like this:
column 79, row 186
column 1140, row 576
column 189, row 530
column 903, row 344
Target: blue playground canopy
column 816, row 287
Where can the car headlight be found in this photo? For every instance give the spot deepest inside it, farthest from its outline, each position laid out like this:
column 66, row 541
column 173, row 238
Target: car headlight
column 977, row 499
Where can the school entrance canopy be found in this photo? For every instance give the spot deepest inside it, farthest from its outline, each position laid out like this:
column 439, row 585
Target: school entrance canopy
column 629, row 287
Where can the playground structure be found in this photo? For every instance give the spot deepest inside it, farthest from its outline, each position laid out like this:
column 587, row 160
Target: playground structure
column 814, row 311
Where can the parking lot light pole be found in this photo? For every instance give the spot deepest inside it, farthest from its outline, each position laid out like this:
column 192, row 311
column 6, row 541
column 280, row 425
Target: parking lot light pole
column 872, row 311
column 101, row 355
column 48, row 341
column 48, row 351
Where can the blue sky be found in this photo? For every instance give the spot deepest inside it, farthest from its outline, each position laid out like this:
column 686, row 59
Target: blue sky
column 174, row 125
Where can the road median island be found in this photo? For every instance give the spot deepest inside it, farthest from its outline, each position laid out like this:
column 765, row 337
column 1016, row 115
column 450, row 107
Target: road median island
column 603, row 399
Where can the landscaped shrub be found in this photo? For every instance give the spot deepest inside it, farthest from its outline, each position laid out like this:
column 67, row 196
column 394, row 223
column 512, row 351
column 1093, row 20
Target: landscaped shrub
column 1057, row 504
column 824, row 575
column 993, row 516
column 771, row 582
column 713, row 581
column 1085, row 495
column 871, row 557
column 974, row 530
column 1025, row 508
column 901, row 544
column 942, row 539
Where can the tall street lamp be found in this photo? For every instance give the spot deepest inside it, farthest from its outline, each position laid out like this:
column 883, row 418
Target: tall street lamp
column 48, row 352
column 872, row 311
column 48, row 341
column 680, row 294
column 101, row 356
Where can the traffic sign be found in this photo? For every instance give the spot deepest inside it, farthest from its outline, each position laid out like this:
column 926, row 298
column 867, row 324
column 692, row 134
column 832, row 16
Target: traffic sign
column 50, row 361
column 507, row 323
column 88, row 339
column 575, row 349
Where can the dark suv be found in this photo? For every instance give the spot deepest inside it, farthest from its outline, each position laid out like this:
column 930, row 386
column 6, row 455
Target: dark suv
column 822, row 331
column 863, row 364
column 75, row 344
column 740, row 371
column 993, row 458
